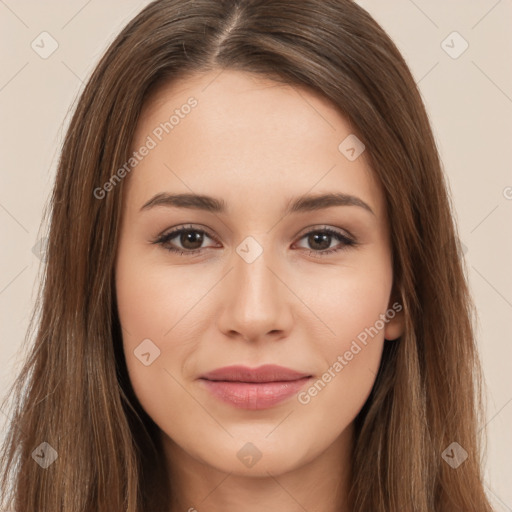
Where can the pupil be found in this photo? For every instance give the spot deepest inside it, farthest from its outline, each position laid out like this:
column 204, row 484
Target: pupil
column 324, row 240
column 191, row 237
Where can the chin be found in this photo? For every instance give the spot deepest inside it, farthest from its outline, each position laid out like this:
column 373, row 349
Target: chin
column 259, row 454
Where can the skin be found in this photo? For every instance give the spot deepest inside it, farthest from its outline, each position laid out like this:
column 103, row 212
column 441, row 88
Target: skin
column 255, row 144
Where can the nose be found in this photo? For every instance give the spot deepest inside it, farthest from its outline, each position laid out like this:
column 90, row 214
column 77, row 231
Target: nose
column 257, row 303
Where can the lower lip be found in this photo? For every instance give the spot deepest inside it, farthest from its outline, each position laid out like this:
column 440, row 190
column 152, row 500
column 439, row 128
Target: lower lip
column 253, row 395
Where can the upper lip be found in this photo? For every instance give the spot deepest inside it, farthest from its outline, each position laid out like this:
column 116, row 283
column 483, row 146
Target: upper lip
column 265, row 373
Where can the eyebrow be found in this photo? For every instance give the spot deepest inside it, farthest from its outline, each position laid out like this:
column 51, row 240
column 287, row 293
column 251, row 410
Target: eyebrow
column 211, row 204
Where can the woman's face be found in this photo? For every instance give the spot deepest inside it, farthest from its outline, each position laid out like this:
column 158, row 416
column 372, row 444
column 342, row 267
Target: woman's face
column 264, row 273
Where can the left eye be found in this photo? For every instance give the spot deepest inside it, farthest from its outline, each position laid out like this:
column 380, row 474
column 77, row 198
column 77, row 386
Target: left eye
column 191, row 239
column 322, row 238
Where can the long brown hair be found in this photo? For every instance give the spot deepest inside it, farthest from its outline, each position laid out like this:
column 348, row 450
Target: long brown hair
column 74, row 393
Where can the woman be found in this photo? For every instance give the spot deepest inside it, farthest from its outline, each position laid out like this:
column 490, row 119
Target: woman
column 254, row 295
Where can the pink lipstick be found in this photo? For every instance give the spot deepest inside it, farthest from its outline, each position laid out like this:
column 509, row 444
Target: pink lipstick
column 256, row 389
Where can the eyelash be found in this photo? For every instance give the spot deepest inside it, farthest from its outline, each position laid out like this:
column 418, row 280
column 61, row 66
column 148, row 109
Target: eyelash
column 164, row 239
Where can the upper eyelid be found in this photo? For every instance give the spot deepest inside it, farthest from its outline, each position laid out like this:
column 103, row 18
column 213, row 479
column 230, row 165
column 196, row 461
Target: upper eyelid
column 324, row 227
column 178, row 230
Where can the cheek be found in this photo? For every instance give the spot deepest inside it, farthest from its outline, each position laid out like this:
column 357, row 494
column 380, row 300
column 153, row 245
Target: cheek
column 349, row 300
column 353, row 307
column 151, row 300
column 154, row 307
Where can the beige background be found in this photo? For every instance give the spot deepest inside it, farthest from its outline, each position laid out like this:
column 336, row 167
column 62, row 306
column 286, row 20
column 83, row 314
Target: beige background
column 469, row 99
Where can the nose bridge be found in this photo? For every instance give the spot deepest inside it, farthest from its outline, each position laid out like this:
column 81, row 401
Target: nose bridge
column 256, row 304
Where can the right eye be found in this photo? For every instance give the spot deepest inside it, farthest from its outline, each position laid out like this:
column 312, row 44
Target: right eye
column 190, row 238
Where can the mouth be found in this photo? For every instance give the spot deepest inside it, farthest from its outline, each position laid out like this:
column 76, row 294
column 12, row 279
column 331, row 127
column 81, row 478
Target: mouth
column 254, row 389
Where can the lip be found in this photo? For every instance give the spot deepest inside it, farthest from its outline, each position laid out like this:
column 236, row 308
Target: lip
column 255, row 389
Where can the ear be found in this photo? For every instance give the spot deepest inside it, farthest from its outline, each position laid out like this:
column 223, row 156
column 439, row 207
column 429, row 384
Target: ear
column 395, row 326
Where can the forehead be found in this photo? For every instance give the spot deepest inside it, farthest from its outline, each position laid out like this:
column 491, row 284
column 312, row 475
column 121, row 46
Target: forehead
column 247, row 139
